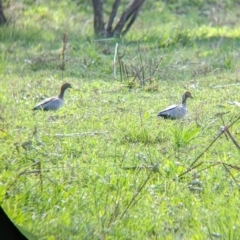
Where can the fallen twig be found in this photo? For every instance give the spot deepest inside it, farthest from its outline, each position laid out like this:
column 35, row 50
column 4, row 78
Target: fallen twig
column 214, row 140
column 226, row 85
column 224, row 130
column 189, row 170
column 136, row 194
column 140, row 167
column 34, row 172
column 19, row 175
column 232, row 138
column 59, row 135
column 225, row 166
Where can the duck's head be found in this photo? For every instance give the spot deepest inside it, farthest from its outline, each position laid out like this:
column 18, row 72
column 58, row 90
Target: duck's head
column 188, row 95
column 185, row 96
column 65, row 86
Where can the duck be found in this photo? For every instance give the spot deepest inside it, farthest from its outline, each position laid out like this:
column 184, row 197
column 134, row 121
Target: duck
column 176, row 111
column 53, row 103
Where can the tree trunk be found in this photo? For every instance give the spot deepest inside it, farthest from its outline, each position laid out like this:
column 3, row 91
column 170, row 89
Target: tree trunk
column 98, row 17
column 128, row 17
column 3, row 20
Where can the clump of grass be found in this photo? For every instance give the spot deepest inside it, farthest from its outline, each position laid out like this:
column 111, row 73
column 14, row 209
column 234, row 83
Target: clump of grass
column 138, row 136
column 183, row 135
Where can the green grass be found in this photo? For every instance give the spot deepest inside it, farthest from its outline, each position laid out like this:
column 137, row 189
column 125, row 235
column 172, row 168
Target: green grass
column 104, row 166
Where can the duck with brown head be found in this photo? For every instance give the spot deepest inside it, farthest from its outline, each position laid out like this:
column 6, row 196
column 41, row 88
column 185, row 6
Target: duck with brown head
column 53, row 103
column 176, row 111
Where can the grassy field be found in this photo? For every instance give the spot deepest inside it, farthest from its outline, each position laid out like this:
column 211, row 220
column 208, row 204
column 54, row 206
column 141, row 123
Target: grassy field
column 104, row 166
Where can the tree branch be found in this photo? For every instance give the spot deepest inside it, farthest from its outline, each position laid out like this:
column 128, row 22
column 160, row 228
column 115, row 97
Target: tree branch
column 112, row 16
column 132, row 10
column 132, row 20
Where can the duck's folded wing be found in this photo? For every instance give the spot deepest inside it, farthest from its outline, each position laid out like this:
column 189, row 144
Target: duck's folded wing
column 52, row 103
column 169, row 108
column 169, row 112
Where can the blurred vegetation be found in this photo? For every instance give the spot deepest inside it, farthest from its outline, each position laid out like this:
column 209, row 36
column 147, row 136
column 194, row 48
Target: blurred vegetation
column 104, row 166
